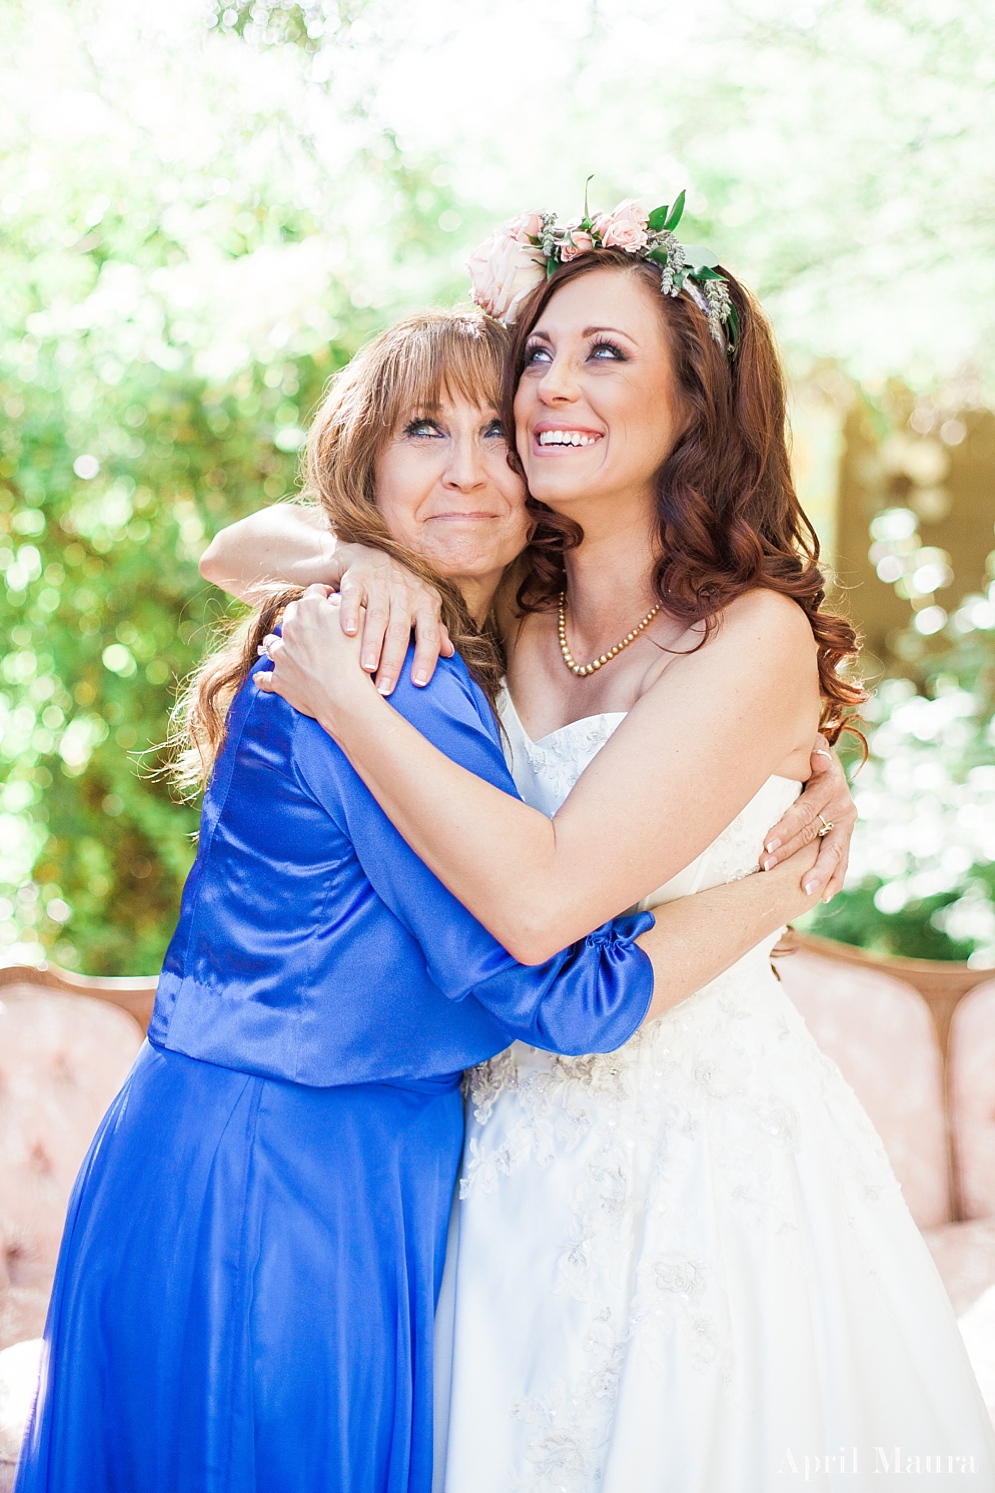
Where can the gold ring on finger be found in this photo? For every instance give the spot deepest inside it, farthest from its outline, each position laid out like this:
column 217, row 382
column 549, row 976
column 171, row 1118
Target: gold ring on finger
column 827, row 825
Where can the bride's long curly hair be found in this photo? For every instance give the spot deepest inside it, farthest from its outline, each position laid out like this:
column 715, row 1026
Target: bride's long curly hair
column 728, row 517
column 404, row 371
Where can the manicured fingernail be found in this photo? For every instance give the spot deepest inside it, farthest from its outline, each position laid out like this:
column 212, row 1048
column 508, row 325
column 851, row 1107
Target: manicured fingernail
column 810, row 887
column 350, row 629
column 369, row 664
column 821, row 752
column 770, row 863
column 772, row 845
column 421, row 679
column 385, row 686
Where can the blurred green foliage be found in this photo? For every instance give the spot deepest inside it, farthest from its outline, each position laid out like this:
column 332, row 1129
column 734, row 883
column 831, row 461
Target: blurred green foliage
column 922, row 870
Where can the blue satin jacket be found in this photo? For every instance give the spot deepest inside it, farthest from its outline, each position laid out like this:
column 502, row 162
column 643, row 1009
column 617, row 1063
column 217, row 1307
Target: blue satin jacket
column 313, row 944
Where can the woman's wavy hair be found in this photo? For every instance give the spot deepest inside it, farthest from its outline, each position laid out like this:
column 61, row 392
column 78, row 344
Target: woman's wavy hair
column 404, row 371
column 728, row 516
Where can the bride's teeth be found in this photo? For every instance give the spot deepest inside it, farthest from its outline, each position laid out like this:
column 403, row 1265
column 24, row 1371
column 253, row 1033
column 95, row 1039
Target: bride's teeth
column 565, row 438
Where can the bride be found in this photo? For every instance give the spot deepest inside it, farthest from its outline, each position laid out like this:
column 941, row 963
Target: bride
column 683, row 1267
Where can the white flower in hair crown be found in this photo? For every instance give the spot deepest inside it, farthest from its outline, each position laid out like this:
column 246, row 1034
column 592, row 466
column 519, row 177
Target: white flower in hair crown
column 531, row 247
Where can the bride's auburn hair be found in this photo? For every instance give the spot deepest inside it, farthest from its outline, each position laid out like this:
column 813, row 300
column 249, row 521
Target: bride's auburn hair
column 403, row 372
column 728, row 518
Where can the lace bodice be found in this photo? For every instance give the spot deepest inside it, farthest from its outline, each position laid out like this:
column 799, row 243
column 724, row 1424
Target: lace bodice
column 546, row 770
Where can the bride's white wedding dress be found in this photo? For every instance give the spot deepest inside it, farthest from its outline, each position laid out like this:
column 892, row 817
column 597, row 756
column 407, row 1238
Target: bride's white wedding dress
column 686, row 1266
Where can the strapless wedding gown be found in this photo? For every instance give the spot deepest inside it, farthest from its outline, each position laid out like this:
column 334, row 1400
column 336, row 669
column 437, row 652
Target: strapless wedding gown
column 686, row 1266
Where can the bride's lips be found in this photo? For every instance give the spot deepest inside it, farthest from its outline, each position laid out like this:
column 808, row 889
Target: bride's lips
column 556, row 436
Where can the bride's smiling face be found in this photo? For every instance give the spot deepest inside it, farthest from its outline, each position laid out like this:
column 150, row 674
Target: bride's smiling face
column 596, row 410
column 445, row 489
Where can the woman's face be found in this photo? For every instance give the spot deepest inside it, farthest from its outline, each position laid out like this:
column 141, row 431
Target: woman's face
column 596, row 411
column 445, row 489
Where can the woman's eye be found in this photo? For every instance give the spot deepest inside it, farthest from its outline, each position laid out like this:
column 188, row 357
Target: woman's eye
column 495, row 429
column 537, row 353
column 608, row 352
column 422, row 427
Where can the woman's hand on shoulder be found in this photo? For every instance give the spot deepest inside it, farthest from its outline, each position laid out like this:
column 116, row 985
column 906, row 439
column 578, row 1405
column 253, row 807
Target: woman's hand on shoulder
column 316, row 664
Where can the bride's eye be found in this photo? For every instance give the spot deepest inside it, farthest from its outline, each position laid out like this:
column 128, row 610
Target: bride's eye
column 422, row 427
column 537, row 352
column 606, row 351
column 495, row 428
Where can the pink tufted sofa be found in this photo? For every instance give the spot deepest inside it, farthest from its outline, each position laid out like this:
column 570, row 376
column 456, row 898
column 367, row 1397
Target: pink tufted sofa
column 66, row 1045
column 915, row 1039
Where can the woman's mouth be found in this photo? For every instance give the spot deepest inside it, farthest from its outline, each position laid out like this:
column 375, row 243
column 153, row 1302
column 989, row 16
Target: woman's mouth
column 565, row 437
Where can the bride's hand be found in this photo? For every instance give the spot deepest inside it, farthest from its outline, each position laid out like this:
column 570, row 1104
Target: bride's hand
column 382, row 603
column 826, row 801
column 316, row 665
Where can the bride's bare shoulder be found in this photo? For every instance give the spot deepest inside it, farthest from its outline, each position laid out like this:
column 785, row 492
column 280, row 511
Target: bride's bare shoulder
column 766, row 619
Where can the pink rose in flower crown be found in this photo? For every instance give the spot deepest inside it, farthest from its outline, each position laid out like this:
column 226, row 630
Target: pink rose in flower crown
column 506, row 267
column 526, row 226
column 580, row 243
column 625, row 228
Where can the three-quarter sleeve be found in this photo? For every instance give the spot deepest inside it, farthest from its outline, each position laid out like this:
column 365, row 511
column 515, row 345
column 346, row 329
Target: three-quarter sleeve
column 591, row 997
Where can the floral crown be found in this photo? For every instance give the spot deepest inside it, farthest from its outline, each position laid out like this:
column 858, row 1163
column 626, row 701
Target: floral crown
column 530, row 248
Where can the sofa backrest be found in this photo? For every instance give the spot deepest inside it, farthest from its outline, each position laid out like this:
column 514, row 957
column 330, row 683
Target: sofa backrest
column 971, row 1084
column 62, row 1059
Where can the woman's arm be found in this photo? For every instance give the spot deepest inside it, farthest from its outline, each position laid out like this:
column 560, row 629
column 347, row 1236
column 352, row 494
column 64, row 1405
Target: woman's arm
column 687, row 759
column 696, row 938
column 290, row 544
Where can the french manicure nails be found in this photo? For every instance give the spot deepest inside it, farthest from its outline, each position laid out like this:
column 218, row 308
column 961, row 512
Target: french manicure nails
column 773, row 845
column 385, row 686
column 421, row 679
column 769, row 863
column 810, row 887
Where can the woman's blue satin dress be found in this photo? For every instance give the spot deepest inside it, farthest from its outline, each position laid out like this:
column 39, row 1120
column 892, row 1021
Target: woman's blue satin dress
column 248, row 1276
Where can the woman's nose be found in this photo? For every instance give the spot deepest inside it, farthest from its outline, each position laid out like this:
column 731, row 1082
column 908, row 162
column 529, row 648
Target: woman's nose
column 465, row 468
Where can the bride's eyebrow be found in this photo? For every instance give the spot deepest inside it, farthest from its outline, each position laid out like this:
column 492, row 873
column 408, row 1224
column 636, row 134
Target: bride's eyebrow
column 613, row 331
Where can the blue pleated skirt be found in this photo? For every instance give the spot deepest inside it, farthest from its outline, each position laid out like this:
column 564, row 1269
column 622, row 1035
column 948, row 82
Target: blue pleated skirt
column 246, row 1288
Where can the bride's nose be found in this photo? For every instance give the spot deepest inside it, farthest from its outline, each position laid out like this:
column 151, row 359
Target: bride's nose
column 558, row 384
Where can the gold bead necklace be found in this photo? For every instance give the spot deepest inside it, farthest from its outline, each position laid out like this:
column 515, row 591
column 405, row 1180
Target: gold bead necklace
column 596, row 663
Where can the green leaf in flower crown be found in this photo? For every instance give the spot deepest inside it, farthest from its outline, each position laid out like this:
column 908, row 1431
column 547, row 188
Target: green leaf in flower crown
column 733, row 320
column 659, row 255
column 657, row 218
column 552, row 265
column 675, row 214
column 699, row 257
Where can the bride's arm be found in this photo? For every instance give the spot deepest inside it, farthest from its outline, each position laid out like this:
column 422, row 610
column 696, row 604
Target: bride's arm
column 692, row 752
column 290, row 544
